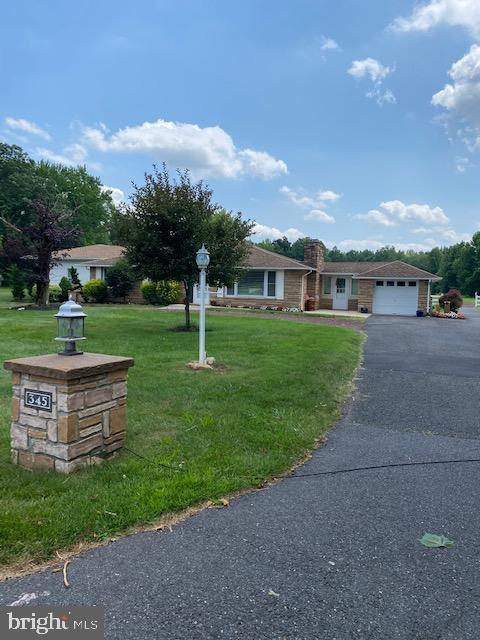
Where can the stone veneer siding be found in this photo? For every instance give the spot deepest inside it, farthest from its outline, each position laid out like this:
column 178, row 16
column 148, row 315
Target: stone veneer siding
column 87, row 423
column 365, row 294
column 423, row 295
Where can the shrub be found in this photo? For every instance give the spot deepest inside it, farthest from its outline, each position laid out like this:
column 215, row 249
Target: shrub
column 73, row 277
column 163, row 293
column 149, row 291
column 95, row 291
column 120, row 279
column 167, row 292
column 16, row 278
column 55, row 293
column 454, row 297
column 65, row 286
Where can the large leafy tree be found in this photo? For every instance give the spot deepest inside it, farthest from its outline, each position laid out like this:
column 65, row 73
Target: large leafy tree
column 40, row 240
column 23, row 181
column 167, row 222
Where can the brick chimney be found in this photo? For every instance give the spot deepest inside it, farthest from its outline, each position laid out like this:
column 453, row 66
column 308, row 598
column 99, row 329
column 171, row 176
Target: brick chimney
column 314, row 256
column 314, row 253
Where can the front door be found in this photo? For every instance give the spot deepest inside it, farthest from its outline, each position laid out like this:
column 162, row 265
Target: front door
column 340, row 299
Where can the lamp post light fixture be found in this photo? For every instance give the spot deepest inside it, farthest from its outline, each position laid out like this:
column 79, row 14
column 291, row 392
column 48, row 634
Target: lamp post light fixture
column 70, row 326
column 203, row 260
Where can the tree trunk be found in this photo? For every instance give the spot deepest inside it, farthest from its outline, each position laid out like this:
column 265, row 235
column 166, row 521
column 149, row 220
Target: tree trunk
column 43, row 272
column 42, row 294
column 188, row 290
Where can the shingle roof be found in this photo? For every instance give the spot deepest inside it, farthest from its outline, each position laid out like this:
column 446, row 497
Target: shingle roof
column 92, row 252
column 108, row 262
column 398, row 269
column 350, row 267
column 262, row 259
column 393, row 269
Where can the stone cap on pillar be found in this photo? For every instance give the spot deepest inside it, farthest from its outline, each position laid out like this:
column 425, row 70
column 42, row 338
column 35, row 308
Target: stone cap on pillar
column 68, row 368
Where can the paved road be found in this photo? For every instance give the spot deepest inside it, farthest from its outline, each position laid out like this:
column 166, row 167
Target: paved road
column 325, row 557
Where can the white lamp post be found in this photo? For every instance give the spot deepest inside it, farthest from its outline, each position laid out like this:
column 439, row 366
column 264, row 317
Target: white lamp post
column 203, row 260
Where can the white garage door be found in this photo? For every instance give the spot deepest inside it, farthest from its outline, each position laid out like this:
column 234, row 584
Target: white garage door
column 395, row 297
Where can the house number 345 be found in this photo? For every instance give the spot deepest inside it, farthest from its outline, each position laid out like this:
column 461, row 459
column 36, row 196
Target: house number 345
column 38, row 399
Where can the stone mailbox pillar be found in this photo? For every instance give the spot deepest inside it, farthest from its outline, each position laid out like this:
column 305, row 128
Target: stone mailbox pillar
column 67, row 413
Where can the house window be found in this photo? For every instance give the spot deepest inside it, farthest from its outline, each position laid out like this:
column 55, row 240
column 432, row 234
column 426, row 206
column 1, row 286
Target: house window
column 271, row 283
column 412, row 283
column 251, row 284
column 379, row 283
column 259, row 284
column 354, row 287
column 327, row 285
column 400, row 283
column 390, row 283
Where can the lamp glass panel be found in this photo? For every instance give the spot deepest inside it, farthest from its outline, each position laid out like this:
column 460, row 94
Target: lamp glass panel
column 63, row 327
column 70, row 328
column 77, row 328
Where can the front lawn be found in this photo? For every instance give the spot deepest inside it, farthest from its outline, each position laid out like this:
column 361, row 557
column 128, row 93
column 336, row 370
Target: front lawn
column 217, row 431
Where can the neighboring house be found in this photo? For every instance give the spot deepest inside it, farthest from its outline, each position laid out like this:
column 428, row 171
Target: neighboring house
column 91, row 262
column 393, row 288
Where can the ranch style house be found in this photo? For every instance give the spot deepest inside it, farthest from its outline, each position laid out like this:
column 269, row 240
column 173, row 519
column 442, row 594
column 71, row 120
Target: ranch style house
column 270, row 279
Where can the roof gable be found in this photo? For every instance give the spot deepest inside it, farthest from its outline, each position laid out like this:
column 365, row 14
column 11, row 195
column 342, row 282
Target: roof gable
column 92, row 252
column 259, row 258
column 398, row 269
column 393, row 269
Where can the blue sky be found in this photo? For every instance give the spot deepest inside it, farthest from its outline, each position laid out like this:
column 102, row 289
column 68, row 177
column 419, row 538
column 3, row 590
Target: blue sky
column 354, row 122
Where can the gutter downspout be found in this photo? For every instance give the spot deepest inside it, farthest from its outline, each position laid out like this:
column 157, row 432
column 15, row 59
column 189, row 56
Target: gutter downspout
column 429, row 295
column 305, row 275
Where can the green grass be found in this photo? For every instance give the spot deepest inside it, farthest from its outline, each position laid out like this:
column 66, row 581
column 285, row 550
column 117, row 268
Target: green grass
column 6, row 298
column 221, row 431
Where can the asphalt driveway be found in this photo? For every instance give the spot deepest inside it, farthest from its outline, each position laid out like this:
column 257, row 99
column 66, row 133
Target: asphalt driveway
column 332, row 556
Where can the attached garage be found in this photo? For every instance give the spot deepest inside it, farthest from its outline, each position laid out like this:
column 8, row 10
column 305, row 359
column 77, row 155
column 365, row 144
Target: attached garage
column 395, row 297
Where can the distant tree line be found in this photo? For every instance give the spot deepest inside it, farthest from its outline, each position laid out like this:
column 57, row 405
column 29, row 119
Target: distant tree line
column 457, row 265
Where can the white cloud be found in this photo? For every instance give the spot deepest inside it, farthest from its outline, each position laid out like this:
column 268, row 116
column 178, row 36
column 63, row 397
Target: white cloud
column 462, row 164
column 450, row 235
column 381, row 96
column 20, row 124
column 376, row 216
column 316, row 202
column 346, row 245
column 454, row 13
column 263, row 232
column 395, row 211
column 117, row 195
column 376, row 72
column 262, row 164
column 461, row 98
column 315, row 51
column 329, row 44
column 319, row 199
column 71, row 156
column 205, row 150
column 369, row 68
column 319, row 216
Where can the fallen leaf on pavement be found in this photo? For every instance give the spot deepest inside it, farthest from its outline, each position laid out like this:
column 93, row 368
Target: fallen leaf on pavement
column 433, row 540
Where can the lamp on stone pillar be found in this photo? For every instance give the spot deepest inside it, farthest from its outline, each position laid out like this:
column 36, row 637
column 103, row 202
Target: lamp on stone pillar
column 70, row 326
